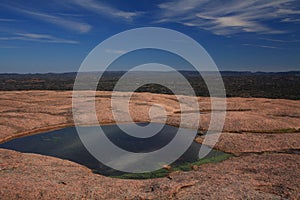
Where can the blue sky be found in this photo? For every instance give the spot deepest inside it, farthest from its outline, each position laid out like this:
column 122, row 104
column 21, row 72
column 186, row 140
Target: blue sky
column 55, row 36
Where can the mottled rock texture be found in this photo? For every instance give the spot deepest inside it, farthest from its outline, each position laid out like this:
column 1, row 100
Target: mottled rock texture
column 262, row 133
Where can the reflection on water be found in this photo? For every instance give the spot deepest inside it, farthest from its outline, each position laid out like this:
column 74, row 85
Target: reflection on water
column 65, row 143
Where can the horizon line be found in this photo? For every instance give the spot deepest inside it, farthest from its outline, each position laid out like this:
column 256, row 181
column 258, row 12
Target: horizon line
column 221, row 71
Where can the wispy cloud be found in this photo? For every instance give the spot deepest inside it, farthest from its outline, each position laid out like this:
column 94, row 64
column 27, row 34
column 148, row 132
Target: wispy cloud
column 39, row 38
column 230, row 17
column 115, row 51
column 278, row 40
column 290, row 20
column 9, row 47
column 73, row 25
column 7, row 20
column 262, row 46
column 104, row 9
column 70, row 20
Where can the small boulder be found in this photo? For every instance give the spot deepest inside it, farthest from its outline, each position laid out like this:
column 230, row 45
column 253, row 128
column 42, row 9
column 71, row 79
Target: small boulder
column 167, row 167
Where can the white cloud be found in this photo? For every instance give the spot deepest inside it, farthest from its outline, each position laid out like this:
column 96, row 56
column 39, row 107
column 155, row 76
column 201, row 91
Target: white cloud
column 234, row 22
column 230, row 17
column 279, row 41
column 289, row 11
column 9, row 47
column 77, row 26
column 7, row 20
column 181, row 6
column 104, row 9
column 290, row 20
column 38, row 38
column 262, row 46
column 115, row 51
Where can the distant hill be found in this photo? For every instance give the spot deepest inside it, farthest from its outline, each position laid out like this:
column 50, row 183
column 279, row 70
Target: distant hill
column 238, row 84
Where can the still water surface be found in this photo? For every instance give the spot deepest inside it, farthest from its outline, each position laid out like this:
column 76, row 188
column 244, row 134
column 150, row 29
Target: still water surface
column 66, row 144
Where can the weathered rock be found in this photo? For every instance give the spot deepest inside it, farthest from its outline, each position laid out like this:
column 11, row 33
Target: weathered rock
column 252, row 126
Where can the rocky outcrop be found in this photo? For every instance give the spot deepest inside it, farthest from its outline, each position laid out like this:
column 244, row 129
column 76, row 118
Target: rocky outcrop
column 262, row 133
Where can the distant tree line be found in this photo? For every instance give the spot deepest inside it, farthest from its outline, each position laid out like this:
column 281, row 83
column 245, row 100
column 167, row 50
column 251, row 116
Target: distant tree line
column 237, row 84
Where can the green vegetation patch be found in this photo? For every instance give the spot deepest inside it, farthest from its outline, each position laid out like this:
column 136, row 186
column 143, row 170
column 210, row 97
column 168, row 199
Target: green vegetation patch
column 284, row 130
column 187, row 166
